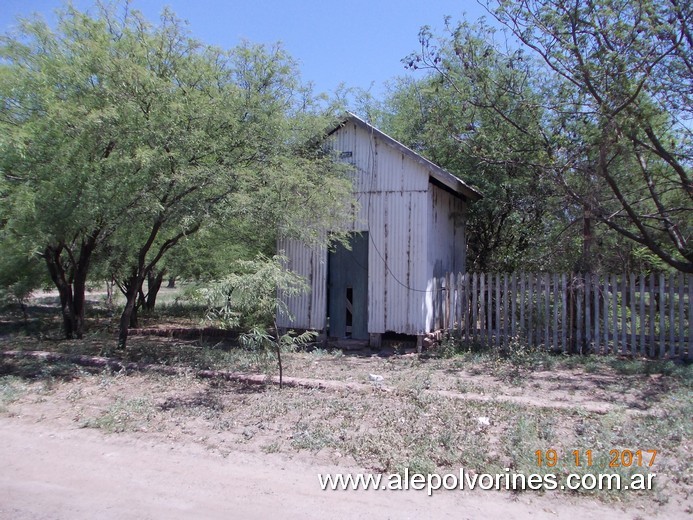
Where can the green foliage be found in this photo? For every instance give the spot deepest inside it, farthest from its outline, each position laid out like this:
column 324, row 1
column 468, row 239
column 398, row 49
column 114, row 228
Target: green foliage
column 249, row 295
column 265, row 345
column 255, row 295
column 446, row 116
column 586, row 120
column 121, row 139
column 620, row 74
column 20, row 273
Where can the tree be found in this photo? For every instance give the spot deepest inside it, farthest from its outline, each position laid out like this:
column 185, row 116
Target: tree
column 20, row 274
column 622, row 73
column 448, row 117
column 252, row 295
column 124, row 138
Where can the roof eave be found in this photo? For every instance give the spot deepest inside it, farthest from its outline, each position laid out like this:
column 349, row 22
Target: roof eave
column 443, row 176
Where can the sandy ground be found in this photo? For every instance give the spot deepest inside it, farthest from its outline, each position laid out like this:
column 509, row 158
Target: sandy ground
column 68, row 473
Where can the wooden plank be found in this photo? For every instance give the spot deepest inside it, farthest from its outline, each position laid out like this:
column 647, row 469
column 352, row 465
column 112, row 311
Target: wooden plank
column 633, row 317
column 451, row 301
column 690, row 317
column 522, row 330
column 577, row 288
column 457, row 310
column 681, row 335
column 556, row 290
column 456, row 295
column 538, row 329
column 436, row 303
column 506, row 320
column 594, row 279
column 466, row 307
column 641, row 311
column 624, row 314
column 498, row 311
column 607, row 301
column 547, row 310
column 530, row 308
column 662, row 314
column 475, row 305
column 564, row 325
column 614, row 310
column 513, row 304
column 588, row 313
column 652, row 314
column 482, row 308
column 489, row 309
column 672, row 310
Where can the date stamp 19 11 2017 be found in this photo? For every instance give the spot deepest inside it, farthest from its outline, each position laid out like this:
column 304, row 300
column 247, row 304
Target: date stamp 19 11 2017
column 585, row 458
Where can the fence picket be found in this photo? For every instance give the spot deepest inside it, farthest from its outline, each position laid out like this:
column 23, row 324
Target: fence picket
column 506, row 321
column 606, row 299
column 465, row 308
column 588, row 313
column 521, row 303
column 530, row 308
column 625, row 314
column 614, row 310
column 690, row 318
column 475, row 302
column 662, row 313
column 498, row 308
column 672, row 309
column 633, row 316
column 482, row 308
column 555, row 311
column 681, row 292
column 597, row 316
column 564, row 328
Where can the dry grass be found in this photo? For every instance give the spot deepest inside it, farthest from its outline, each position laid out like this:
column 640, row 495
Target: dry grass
column 414, row 425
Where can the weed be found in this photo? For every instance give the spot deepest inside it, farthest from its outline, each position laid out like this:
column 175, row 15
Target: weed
column 273, row 447
column 308, row 436
column 11, row 389
column 123, row 415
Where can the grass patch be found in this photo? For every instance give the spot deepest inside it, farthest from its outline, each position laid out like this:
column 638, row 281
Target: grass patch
column 123, row 415
column 11, row 389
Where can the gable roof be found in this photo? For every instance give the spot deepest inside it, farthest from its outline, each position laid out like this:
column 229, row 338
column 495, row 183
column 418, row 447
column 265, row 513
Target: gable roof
column 438, row 175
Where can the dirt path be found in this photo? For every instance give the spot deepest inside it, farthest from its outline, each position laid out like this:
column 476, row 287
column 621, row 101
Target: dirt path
column 52, row 471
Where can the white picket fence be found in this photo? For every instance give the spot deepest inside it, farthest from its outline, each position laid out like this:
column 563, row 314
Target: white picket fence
column 620, row 314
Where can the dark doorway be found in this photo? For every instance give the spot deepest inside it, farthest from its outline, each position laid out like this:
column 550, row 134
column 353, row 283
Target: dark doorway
column 347, row 289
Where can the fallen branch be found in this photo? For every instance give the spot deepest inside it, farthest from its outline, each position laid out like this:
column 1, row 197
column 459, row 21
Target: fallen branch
column 294, row 382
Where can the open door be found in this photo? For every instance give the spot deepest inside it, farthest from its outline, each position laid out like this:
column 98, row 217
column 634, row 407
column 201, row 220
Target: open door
column 347, row 289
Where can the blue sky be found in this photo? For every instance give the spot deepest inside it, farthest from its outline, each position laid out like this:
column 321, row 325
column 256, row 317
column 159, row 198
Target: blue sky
column 356, row 42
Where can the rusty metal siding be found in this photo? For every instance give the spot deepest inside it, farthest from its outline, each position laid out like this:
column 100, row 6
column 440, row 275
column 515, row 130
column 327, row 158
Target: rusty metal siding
column 397, row 261
column 414, row 234
column 446, row 239
column 446, row 244
column 308, row 311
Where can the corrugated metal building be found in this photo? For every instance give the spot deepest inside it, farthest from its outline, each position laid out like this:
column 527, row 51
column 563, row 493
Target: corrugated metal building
column 410, row 228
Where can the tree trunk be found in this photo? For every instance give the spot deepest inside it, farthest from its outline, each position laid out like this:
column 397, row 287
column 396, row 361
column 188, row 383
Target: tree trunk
column 141, row 271
column 133, row 286
column 171, row 282
column 153, row 286
column 134, row 317
column 278, row 349
column 71, row 283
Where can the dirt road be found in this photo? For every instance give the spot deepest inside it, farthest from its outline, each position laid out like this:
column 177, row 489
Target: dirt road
column 52, row 471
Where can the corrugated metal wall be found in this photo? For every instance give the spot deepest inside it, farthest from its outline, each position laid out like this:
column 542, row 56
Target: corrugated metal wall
column 446, row 240
column 410, row 230
column 307, row 310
